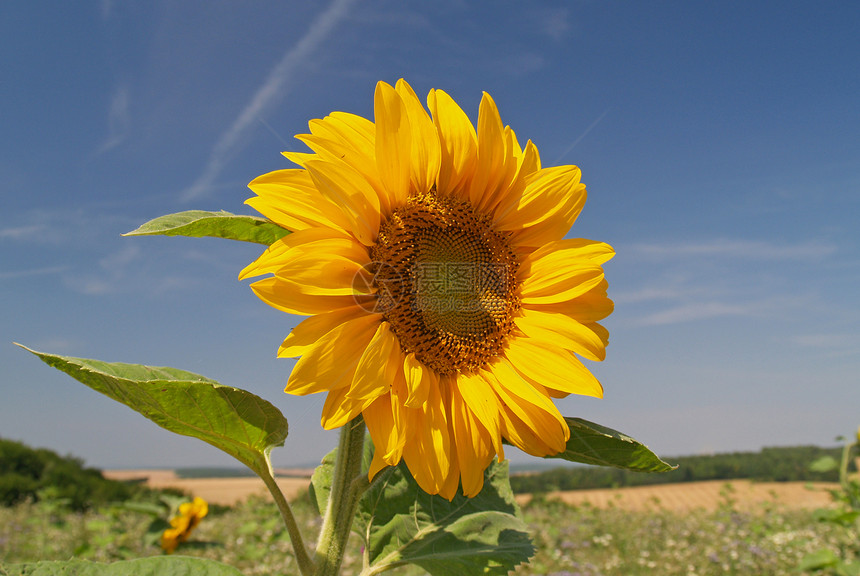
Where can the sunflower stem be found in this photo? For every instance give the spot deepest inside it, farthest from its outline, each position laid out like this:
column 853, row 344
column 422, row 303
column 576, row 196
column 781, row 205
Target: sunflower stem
column 342, row 501
column 303, row 557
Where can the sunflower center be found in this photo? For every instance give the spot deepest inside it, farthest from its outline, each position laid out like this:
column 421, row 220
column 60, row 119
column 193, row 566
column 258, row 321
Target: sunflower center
column 446, row 282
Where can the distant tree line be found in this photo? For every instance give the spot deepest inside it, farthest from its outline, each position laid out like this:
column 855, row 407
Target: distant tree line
column 34, row 474
column 788, row 464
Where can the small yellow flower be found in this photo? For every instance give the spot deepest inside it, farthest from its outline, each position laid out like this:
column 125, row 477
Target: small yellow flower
column 190, row 514
column 445, row 303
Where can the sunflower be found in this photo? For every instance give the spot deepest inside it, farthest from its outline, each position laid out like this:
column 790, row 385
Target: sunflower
column 181, row 526
column 444, row 303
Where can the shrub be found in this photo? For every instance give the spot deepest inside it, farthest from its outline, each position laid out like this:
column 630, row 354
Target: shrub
column 25, row 474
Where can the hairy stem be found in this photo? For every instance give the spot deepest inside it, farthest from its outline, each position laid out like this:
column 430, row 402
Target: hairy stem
column 343, row 500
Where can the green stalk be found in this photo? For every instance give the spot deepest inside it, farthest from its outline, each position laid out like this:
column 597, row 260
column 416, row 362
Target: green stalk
column 843, row 467
column 343, row 500
column 303, row 558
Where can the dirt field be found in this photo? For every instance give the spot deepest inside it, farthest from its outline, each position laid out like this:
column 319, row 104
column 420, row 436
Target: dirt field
column 679, row 497
column 709, row 495
column 226, row 491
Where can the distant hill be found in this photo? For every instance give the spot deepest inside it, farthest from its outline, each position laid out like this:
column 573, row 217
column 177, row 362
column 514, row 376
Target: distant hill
column 780, row 464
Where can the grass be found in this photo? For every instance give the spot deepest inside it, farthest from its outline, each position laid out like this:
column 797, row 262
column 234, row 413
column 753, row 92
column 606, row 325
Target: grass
column 582, row 541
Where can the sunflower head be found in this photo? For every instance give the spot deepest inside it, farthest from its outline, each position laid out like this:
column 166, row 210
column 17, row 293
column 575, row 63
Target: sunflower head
column 445, row 303
column 181, row 526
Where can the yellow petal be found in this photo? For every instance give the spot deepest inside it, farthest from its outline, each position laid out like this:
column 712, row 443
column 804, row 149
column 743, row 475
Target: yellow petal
column 452, row 482
column 588, row 308
column 426, row 155
column 483, row 403
column 571, row 249
column 393, row 142
column 350, row 139
column 544, row 211
column 473, row 444
column 375, row 371
column 419, row 380
column 305, row 336
column 300, row 158
column 523, row 436
column 343, row 186
column 531, row 406
column 332, row 274
column 459, row 143
column 293, row 298
column 513, row 163
column 530, row 161
column 556, row 329
column 554, row 278
column 491, row 161
column 339, row 409
column 427, row 451
column 548, row 365
column 290, row 199
column 388, row 437
column 331, row 363
column 314, row 242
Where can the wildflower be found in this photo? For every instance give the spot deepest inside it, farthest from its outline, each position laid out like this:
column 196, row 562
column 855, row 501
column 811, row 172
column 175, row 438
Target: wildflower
column 181, row 526
column 445, row 304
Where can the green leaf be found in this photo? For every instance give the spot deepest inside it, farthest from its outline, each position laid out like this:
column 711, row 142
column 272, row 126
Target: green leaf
column 592, row 443
column 836, row 516
column 402, row 524
column 818, row 560
column 321, row 479
column 199, row 223
column 320, row 486
column 154, row 566
column 238, row 422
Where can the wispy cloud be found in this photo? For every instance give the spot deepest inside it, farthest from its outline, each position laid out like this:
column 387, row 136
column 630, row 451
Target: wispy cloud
column 555, row 23
column 59, row 225
column 829, row 341
column 114, row 271
column 21, row 232
column 275, row 86
column 579, row 138
column 107, row 9
column 707, row 279
column 118, row 120
column 743, row 249
column 693, row 312
column 46, row 270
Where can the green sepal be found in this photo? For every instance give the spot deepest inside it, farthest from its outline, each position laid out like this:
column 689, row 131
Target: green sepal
column 200, row 223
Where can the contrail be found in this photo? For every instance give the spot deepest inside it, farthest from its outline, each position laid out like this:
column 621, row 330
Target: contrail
column 266, row 96
column 581, row 136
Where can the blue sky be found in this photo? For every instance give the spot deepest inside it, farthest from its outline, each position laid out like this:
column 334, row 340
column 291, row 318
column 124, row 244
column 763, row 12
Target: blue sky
column 720, row 143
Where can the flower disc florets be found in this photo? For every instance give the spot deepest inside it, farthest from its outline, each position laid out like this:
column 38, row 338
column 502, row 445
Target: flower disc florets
column 449, row 282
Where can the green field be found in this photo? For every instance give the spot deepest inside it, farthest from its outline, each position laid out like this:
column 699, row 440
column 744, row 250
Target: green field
column 46, row 517
column 571, row 541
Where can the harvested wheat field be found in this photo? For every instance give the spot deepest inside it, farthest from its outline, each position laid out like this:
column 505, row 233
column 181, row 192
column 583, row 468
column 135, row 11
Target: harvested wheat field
column 744, row 494
column 709, row 495
column 225, row 491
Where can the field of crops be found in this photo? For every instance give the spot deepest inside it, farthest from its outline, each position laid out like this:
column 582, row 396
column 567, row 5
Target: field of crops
column 769, row 537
